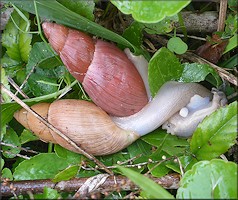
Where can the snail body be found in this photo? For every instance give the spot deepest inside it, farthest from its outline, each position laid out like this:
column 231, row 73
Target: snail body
column 107, row 75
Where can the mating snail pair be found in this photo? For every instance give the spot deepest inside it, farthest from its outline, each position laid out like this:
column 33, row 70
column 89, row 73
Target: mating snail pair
column 122, row 110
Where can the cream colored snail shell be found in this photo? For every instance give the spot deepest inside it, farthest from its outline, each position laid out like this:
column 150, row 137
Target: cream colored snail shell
column 107, row 75
column 83, row 122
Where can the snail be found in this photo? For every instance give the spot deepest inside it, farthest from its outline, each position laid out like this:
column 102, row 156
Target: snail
column 106, row 73
column 102, row 131
column 100, row 134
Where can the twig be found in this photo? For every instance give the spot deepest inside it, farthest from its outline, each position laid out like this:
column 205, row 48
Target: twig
column 21, row 148
column 68, row 140
column 222, row 15
column 170, row 181
column 15, row 154
column 12, row 82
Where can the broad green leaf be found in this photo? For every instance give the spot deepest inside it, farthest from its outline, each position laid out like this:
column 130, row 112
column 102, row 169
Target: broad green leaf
column 195, row 72
column 53, row 10
column 166, row 142
column 153, row 189
column 48, row 193
column 231, row 62
column 215, row 179
column 41, row 166
column 163, row 66
column 83, row 8
column 150, row 11
column 216, row 134
column 11, row 138
column 17, row 43
column 66, row 174
column 176, row 45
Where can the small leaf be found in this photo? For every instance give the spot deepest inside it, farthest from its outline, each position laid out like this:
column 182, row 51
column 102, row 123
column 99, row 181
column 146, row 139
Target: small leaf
column 4, row 81
column 48, row 193
column 163, row 66
column 2, row 163
column 153, row 189
column 16, row 42
column 162, row 27
column 6, row 173
column 195, row 72
column 11, row 138
column 41, row 166
column 232, row 43
column 215, row 179
column 177, row 45
column 216, row 134
column 66, row 174
column 27, row 136
column 150, row 11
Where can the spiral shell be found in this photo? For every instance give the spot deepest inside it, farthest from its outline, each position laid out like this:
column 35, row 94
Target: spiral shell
column 83, row 122
column 107, row 75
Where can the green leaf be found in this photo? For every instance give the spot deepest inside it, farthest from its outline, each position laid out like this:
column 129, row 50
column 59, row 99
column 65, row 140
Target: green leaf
column 41, row 85
column 163, row 66
column 231, row 44
column 216, row 134
column 176, row 45
column 150, row 11
column 27, row 136
column 215, row 179
column 4, row 81
column 71, row 157
column 66, row 174
column 83, row 8
column 2, row 163
column 17, row 43
column 166, row 142
column 195, row 72
column 150, row 187
column 41, row 166
column 11, row 138
column 159, row 170
column 6, row 173
column 48, row 193
column 162, row 27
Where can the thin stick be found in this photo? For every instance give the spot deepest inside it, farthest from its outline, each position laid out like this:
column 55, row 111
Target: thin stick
column 170, row 181
column 68, row 140
column 12, row 82
column 222, row 15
